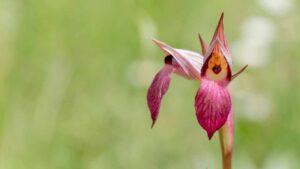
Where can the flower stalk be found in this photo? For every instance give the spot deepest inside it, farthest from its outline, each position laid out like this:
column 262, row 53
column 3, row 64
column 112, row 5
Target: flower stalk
column 226, row 142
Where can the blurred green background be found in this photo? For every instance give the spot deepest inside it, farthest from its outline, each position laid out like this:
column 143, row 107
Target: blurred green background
column 74, row 76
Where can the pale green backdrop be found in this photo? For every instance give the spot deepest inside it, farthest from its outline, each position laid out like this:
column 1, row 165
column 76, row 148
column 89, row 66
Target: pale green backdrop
column 74, row 76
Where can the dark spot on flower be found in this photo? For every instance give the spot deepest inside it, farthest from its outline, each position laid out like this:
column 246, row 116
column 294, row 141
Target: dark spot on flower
column 217, row 69
column 168, row 59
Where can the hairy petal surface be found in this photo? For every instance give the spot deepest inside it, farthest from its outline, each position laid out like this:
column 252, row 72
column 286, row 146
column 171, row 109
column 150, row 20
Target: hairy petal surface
column 158, row 89
column 212, row 104
column 188, row 63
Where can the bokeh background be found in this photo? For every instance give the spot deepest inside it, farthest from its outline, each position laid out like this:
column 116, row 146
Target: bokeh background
column 74, row 76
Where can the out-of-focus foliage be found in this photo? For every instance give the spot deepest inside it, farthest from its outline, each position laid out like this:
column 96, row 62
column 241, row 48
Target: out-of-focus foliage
column 74, row 76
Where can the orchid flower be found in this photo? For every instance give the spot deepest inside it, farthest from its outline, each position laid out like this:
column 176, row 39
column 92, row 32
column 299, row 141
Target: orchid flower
column 213, row 100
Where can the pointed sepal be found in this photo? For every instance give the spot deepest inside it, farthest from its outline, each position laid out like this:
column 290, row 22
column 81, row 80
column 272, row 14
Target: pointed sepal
column 219, row 43
column 203, row 45
column 239, row 72
column 219, row 33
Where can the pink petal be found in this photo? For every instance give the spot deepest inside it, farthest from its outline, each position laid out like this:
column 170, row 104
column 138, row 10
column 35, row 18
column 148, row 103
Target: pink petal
column 212, row 104
column 189, row 63
column 157, row 90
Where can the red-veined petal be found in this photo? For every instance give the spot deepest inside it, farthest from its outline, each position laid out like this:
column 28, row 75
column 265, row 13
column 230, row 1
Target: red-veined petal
column 158, row 89
column 212, row 104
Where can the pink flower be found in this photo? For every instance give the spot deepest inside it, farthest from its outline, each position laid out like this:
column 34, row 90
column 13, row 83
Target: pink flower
column 214, row 70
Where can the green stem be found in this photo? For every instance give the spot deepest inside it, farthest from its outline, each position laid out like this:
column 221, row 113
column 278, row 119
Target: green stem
column 226, row 155
column 226, row 142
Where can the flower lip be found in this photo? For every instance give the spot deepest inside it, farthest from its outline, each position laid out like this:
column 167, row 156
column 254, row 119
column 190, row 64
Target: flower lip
column 212, row 104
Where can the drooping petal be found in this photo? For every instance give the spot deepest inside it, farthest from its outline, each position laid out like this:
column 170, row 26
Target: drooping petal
column 212, row 104
column 188, row 63
column 158, row 89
